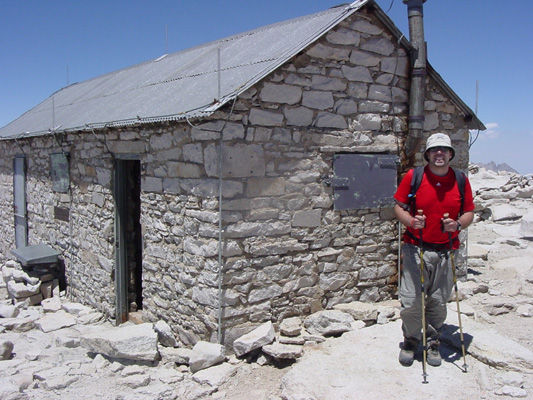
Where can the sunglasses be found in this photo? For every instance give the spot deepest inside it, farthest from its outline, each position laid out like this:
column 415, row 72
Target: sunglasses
column 439, row 148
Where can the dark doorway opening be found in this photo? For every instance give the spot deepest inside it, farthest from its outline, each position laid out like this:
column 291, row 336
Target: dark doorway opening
column 128, row 238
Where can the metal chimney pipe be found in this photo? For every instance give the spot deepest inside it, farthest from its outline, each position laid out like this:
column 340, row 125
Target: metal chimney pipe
column 418, row 79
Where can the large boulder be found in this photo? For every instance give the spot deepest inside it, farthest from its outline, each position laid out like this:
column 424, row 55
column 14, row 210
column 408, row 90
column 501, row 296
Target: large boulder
column 132, row 342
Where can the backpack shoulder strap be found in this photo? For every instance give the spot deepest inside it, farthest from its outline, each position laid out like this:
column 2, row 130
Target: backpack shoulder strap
column 416, row 180
column 460, row 177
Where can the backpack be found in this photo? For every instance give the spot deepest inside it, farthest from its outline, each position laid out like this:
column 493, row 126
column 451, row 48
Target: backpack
column 418, row 173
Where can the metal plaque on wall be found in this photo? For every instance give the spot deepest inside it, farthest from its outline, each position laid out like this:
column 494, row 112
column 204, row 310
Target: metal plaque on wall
column 364, row 180
column 60, row 172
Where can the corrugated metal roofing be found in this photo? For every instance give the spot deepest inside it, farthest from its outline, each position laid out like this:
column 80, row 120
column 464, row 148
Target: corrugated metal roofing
column 186, row 84
column 178, row 85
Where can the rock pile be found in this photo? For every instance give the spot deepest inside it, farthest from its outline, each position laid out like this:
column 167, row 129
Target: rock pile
column 502, row 196
column 31, row 285
column 296, row 333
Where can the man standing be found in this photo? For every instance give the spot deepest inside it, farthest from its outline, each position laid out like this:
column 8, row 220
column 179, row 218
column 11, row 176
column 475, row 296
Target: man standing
column 428, row 233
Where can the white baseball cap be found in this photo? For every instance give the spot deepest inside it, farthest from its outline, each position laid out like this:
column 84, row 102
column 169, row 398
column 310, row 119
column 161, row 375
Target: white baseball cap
column 439, row 140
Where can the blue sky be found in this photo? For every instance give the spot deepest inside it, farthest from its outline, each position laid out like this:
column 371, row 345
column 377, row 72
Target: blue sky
column 45, row 45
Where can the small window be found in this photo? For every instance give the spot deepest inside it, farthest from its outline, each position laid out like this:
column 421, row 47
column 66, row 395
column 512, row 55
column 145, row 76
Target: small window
column 364, row 180
column 60, row 172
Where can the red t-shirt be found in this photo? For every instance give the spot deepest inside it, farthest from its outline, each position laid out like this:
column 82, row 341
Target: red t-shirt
column 436, row 196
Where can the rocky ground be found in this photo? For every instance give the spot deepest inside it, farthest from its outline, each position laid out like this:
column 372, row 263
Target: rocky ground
column 64, row 350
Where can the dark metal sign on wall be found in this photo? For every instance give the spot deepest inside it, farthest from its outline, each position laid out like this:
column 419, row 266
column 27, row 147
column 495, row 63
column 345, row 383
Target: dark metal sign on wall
column 364, row 180
column 60, row 172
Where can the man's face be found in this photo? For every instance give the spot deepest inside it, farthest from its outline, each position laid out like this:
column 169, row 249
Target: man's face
column 439, row 156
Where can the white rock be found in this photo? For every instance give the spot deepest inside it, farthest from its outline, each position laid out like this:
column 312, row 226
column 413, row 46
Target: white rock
column 23, row 277
column 329, row 322
column 18, row 324
column 205, row 355
column 165, row 335
column 132, row 370
column 100, row 362
column 69, row 339
column 283, row 351
column 76, row 308
column 255, row 339
column 21, row 290
column 505, row 212
column 169, row 376
column 55, row 321
column 8, row 311
column 51, row 304
column 136, row 381
column 291, row 326
column 216, row 375
column 511, row 391
column 132, row 342
column 359, row 311
column 177, row 355
column 525, row 310
column 90, row 318
column 526, row 225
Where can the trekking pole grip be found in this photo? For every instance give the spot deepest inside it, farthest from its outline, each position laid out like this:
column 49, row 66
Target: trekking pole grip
column 444, row 216
column 421, row 213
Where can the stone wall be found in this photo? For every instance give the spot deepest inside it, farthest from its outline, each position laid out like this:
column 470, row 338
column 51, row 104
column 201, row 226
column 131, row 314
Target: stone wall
column 285, row 249
column 84, row 233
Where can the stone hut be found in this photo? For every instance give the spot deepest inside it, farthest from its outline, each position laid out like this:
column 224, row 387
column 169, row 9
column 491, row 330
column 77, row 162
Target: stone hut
column 242, row 181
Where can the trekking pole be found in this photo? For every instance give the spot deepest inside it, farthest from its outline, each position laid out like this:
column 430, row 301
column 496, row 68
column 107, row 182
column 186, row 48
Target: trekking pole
column 457, row 300
column 423, row 296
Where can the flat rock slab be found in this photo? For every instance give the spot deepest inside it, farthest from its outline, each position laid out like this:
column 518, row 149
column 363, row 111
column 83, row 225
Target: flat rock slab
column 345, row 375
column 487, row 345
column 131, row 342
column 55, row 321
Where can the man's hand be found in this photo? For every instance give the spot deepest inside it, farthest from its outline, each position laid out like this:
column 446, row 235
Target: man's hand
column 449, row 225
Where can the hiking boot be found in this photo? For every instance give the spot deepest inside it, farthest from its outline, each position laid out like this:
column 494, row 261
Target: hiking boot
column 433, row 355
column 407, row 354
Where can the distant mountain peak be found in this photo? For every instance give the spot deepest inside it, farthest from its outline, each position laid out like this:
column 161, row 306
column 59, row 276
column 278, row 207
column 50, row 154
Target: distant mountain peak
column 492, row 166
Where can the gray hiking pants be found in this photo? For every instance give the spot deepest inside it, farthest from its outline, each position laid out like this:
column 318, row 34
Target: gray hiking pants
column 438, row 283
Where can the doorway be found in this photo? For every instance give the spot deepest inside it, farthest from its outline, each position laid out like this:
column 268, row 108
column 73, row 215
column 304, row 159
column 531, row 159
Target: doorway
column 128, row 238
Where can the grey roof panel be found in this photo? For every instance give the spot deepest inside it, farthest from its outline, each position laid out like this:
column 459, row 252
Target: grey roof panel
column 177, row 85
column 185, row 84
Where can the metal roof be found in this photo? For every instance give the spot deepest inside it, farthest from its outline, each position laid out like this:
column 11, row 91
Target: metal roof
column 178, row 85
column 190, row 83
